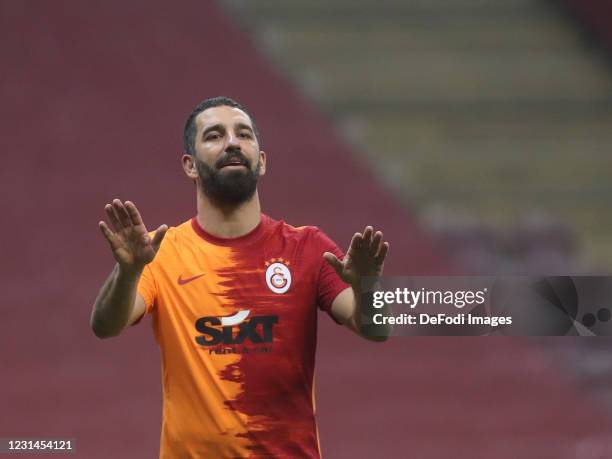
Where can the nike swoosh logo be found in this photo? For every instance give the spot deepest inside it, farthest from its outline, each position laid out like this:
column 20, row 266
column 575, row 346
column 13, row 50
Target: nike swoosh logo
column 182, row 281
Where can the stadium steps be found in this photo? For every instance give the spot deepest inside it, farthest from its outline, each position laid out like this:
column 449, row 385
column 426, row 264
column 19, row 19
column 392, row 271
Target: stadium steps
column 492, row 107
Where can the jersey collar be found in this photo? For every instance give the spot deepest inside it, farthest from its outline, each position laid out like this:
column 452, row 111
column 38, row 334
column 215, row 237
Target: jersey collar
column 250, row 238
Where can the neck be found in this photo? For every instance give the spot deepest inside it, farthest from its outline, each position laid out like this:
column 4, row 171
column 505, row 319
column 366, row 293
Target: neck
column 230, row 222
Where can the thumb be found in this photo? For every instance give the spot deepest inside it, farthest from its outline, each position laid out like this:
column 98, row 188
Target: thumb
column 334, row 262
column 159, row 236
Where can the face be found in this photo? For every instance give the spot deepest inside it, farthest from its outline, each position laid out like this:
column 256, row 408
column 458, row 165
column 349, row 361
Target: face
column 227, row 162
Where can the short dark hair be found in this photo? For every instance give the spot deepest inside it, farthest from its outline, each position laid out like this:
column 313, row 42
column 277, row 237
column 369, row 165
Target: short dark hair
column 190, row 131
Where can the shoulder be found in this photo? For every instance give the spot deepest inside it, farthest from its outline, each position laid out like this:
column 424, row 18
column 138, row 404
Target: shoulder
column 288, row 230
column 184, row 230
column 175, row 232
column 176, row 238
column 309, row 234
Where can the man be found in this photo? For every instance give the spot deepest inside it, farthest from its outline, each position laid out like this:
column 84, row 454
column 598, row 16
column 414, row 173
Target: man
column 233, row 295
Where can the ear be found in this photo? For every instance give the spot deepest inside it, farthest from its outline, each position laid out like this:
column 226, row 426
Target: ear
column 189, row 166
column 262, row 159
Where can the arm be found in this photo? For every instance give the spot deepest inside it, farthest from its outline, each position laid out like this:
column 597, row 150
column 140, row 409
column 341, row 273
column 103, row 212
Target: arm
column 118, row 304
column 364, row 259
column 346, row 309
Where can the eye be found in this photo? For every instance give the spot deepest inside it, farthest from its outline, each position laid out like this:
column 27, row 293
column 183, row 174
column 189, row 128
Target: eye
column 213, row 136
column 246, row 135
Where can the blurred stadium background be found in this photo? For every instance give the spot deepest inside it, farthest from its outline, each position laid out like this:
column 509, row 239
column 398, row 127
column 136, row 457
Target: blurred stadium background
column 476, row 133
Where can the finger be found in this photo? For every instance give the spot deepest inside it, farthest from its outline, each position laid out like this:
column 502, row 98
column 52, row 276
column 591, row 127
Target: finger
column 382, row 254
column 367, row 236
column 376, row 242
column 108, row 234
column 112, row 216
column 133, row 213
column 356, row 241
column 124, row 218
column 159, row 236
column 333, row 261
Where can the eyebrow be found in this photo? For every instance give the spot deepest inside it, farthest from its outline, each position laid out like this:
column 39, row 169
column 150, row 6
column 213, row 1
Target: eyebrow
column 220, row 127
column 216, row 127
column 244, row 126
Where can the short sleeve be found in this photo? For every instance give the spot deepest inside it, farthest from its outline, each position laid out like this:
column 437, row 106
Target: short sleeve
column 329, row 284
column 147, row 289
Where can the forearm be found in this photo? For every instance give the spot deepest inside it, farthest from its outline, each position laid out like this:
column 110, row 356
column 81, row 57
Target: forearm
column 113, row 306
column 363, row 314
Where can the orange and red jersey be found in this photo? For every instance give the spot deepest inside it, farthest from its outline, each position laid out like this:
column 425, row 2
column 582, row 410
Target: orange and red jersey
column 236, row 323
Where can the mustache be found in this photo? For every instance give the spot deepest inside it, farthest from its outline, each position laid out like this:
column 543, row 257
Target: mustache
column 231, row 156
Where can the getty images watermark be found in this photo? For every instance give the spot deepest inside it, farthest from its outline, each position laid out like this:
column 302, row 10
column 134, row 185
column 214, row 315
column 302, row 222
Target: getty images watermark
column 517, row 306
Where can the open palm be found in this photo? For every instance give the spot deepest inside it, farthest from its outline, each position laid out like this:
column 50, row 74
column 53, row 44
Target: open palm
column 129, row 240
column 365, row 257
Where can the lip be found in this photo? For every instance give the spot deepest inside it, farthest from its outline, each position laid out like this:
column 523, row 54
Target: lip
column 234, row 165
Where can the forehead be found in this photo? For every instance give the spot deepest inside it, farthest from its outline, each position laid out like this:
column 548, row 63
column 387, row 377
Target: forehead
column 224, row 115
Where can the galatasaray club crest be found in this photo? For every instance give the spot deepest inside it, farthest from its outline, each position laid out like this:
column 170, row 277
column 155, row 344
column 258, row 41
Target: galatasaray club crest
column 278, row 276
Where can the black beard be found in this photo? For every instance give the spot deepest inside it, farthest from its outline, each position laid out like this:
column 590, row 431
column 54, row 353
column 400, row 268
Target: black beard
column 228, row 188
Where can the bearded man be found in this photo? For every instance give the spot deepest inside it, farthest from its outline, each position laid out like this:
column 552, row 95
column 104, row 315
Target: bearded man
column 233, row 296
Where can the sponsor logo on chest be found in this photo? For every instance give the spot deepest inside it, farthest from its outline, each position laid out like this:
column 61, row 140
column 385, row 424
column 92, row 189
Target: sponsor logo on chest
column 222, row 334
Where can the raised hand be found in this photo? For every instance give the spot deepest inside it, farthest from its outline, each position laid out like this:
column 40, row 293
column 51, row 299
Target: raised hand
column 130, row 242
column 364, row 257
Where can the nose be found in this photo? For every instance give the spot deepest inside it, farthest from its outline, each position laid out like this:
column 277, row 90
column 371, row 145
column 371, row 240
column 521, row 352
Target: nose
column 232, row 141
